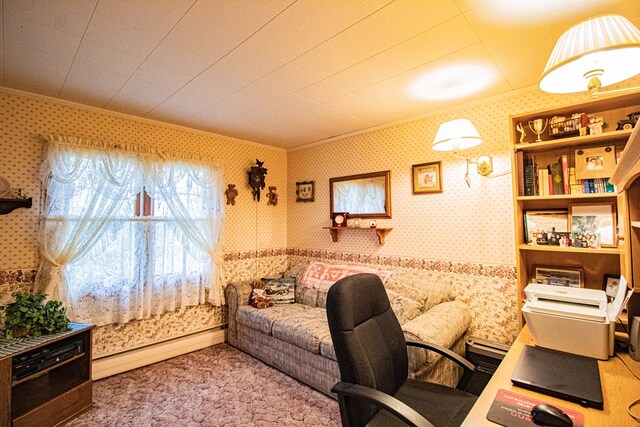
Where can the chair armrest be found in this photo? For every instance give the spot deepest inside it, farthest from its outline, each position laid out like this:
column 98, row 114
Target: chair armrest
column 383, row 400
column 468, row 367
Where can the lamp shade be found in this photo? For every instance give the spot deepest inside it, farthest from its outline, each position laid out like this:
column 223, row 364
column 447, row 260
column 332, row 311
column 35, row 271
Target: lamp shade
column 456, row 134
column 607, row 47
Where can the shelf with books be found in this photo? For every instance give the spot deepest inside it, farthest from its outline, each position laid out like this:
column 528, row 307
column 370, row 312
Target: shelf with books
column 553, row 177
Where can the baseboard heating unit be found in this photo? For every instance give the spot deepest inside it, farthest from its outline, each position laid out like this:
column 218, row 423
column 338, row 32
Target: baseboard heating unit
column 157, row 352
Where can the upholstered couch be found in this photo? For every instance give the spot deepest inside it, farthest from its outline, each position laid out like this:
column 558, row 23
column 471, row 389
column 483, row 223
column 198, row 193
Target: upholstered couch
column 295, row 338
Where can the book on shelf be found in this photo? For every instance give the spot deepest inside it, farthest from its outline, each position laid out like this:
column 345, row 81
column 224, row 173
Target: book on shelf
column 543, row 182
column 573, row 182
column 557, row 181
column 529, row 181
column 564, row 161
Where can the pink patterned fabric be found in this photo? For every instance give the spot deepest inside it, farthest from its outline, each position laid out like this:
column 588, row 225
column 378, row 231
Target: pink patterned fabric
column 321, row 276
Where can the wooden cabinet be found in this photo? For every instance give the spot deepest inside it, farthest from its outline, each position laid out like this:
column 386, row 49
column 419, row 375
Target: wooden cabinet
column 45, row 381
column 594, row 262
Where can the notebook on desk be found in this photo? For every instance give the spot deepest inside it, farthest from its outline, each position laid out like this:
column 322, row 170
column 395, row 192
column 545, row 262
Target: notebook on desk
column 558, row 374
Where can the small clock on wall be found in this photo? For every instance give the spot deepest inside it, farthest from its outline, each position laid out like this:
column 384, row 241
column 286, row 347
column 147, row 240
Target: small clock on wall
column 339, row 219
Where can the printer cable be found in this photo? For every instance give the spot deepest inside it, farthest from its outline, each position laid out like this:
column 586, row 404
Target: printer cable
column 635, row 402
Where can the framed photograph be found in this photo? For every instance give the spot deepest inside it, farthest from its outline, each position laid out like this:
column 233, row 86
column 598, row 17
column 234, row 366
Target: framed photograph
column 610, row 283
column 557, row 276
column 595, row 162
column 427, row 178
column 305, row 191
column 595, row 219
column 543, row 227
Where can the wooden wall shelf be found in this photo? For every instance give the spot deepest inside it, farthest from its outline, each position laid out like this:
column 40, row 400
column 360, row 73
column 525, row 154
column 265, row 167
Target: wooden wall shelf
column 8, row 205
column 380, row 232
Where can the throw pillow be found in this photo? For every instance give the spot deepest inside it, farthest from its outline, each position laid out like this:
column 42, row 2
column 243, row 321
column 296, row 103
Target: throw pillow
column 322, row 276
column 281, row 291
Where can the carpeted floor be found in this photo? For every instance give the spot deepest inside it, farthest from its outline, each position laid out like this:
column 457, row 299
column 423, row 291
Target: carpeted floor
column 217, row 386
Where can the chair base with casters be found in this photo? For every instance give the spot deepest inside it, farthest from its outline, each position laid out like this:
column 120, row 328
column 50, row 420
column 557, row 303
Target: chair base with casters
column 372, row 356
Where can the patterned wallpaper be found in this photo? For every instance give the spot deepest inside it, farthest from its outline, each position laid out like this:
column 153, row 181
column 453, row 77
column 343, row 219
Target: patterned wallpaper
column 254, row 234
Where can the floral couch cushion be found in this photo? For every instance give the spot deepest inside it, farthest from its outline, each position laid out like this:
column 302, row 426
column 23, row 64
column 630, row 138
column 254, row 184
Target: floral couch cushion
column 427, row 287
column 262, row 319
column 404, row 308
column 305, row 329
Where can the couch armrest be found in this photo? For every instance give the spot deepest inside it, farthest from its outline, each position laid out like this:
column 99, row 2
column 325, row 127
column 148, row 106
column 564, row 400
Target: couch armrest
column 443, row 325
column 237, row 294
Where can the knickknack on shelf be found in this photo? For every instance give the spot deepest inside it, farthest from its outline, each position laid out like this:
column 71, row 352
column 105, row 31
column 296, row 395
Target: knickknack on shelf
column 12, row 199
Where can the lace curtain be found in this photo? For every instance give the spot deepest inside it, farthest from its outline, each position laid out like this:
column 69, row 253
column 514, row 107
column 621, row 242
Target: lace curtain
column 360, row 197
column 126, row 233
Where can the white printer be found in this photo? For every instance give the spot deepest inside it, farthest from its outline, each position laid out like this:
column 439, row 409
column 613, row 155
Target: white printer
column 574, row 320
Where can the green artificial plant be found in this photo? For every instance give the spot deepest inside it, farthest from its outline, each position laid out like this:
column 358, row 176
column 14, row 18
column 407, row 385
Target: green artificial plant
column 29, row 316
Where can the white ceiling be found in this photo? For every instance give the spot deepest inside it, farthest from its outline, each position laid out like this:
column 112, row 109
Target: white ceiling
column 283, row 72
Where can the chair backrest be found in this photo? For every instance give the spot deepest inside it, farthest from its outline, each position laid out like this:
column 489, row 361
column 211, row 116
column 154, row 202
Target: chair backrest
column 368, row 340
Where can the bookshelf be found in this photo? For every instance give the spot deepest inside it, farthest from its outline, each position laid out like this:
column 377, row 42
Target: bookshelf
column 530, row 158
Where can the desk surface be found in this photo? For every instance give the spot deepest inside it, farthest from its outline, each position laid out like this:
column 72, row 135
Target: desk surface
column 619, row 388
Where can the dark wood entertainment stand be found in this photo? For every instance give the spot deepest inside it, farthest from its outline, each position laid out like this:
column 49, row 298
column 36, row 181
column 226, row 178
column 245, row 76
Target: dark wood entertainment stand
column 54, row 394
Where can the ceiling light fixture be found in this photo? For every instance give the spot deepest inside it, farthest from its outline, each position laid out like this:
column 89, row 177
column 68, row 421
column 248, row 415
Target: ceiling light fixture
column 594, row 53
column 460, row 134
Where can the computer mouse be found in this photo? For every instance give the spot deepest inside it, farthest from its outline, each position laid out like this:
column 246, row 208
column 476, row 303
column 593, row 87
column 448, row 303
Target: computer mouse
column 547, row 415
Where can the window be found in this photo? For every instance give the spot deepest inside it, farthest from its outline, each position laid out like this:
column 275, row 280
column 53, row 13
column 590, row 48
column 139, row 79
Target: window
column 124, row 238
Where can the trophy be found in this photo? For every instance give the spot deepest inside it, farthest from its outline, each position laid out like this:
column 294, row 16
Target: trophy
column 538, row 126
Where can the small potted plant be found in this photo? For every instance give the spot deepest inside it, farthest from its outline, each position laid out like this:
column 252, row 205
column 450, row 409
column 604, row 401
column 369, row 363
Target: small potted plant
column 30, row 316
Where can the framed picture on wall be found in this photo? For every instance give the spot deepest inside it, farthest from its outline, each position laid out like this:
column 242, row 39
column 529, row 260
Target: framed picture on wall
column 427, row 178
column 305, row 191
column 557, row 276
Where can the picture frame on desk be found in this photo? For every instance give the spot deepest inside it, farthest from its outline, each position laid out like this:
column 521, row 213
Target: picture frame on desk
column 595, row 219
column 557, row 276
column 539, row 223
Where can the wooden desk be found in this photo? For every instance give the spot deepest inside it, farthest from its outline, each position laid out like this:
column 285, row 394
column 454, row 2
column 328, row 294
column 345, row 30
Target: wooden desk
column 619, row 388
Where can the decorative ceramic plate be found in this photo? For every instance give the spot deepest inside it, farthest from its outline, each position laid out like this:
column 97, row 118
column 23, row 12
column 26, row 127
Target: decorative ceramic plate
column 4, row 187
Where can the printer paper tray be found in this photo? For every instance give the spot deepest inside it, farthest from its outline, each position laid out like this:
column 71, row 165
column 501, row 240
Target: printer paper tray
column 564, row 309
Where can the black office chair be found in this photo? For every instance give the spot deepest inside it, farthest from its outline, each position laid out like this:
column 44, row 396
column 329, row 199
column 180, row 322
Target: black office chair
column 372, row 355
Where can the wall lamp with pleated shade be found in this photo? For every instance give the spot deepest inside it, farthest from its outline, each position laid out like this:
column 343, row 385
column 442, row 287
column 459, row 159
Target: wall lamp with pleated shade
column 594, row 53
column 455, row 135
column 459, row 134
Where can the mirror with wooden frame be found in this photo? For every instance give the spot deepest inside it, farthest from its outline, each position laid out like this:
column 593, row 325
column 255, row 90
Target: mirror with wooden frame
column 366, row 195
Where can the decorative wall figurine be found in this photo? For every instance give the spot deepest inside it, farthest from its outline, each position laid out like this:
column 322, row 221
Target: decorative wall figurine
column 273, row 197
column 256, row 179
column 231, row 194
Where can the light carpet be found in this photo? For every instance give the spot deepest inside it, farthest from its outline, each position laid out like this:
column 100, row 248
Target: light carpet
column 216, row 386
